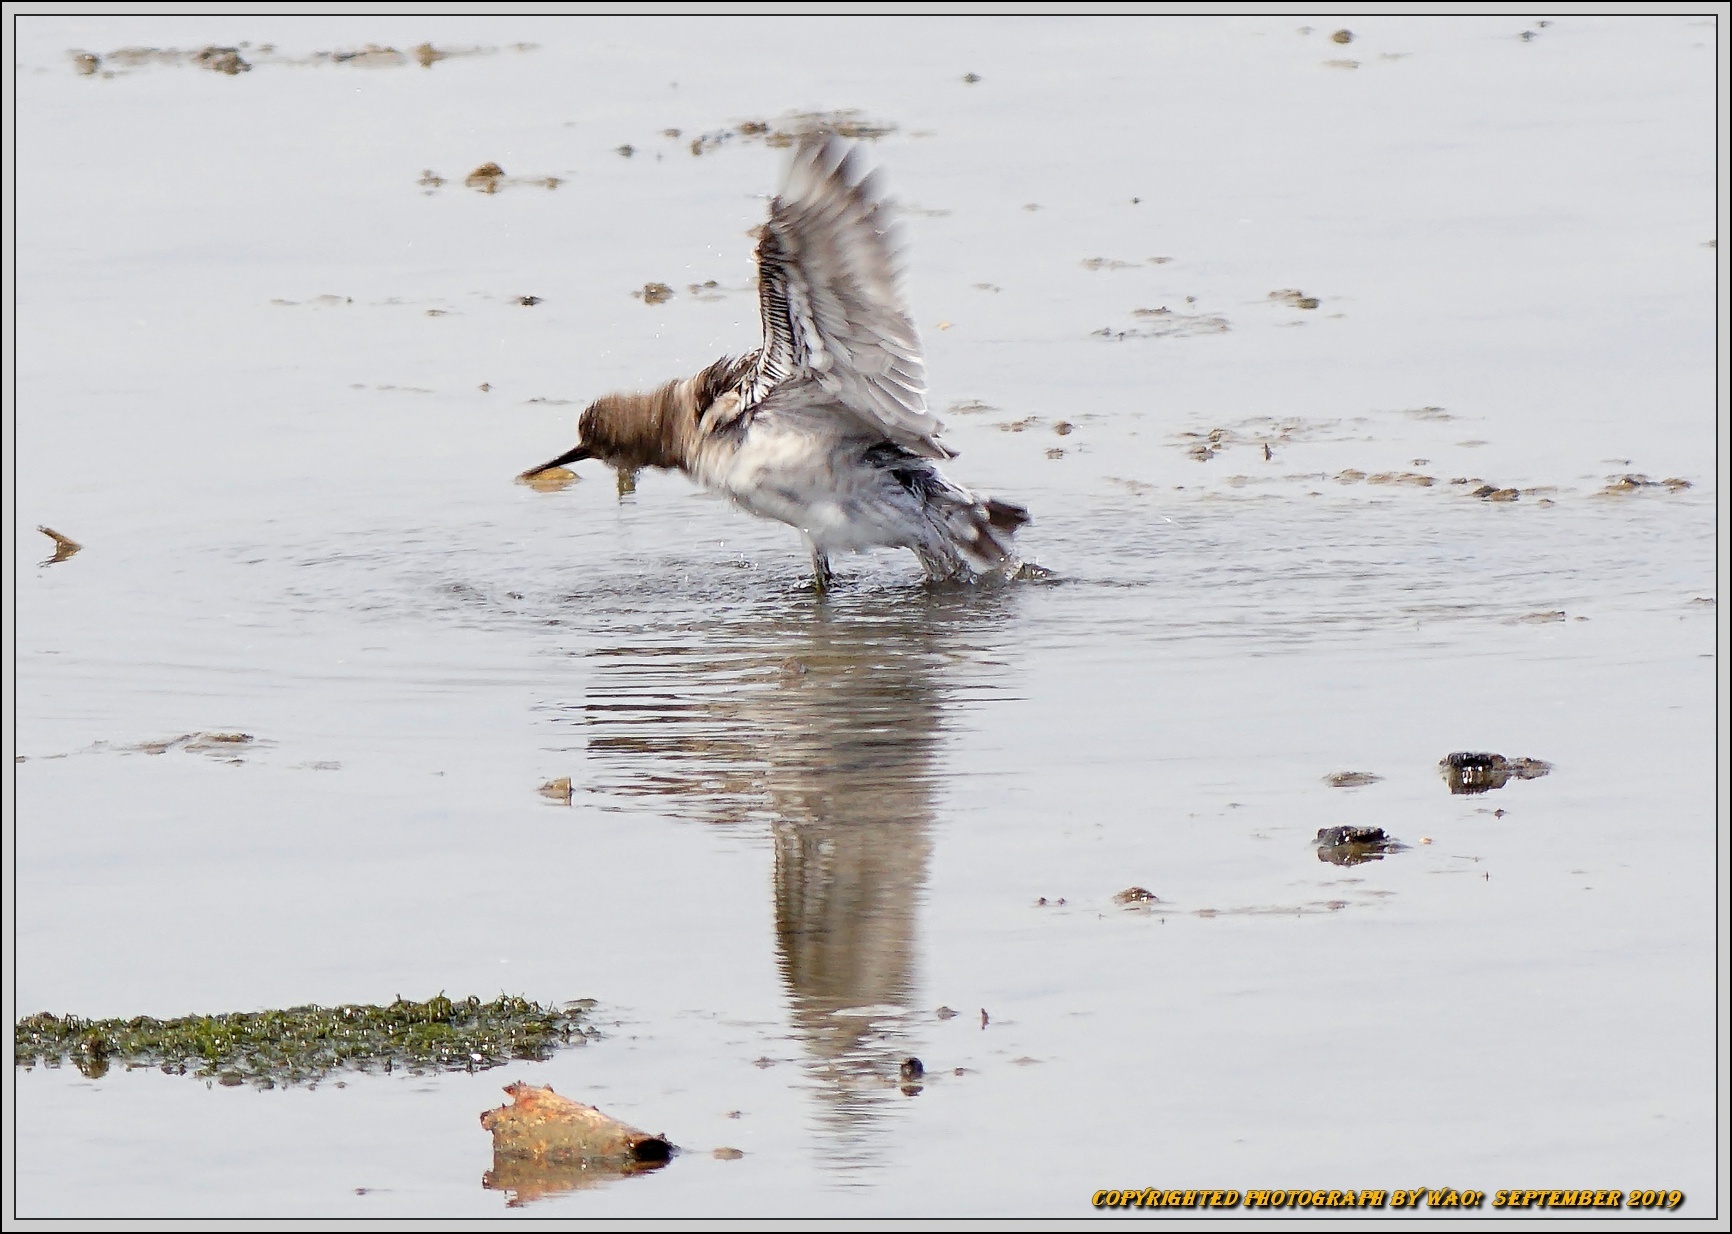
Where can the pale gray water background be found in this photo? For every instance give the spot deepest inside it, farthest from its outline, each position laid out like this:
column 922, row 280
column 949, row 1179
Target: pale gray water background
column 299, row 522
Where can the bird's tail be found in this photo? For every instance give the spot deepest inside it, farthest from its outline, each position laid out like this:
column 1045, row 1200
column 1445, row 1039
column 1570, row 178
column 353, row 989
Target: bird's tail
column 979, row 538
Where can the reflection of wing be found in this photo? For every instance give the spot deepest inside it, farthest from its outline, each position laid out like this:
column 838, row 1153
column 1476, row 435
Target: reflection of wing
column 827, row 289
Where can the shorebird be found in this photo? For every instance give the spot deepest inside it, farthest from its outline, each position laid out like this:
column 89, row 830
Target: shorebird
column 825, row 426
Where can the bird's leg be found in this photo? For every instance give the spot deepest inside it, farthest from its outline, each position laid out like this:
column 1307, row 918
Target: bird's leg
column 821, row 576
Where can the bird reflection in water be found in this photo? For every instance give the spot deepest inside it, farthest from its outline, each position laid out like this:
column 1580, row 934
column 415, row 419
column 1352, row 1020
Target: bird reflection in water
column 824, row 726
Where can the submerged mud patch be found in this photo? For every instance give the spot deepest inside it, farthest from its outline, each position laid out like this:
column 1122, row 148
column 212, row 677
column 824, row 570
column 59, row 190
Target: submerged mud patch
column 489, row 178
column 786, row 130
column 1351, row 779
column 1164, row 322
column 243, row 57
column 1295, row 298
column 302, row 1045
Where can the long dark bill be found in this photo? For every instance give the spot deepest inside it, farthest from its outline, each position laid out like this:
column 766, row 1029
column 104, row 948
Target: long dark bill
column 574, row 455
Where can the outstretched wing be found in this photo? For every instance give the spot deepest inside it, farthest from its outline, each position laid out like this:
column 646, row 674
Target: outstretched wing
column 827, row 289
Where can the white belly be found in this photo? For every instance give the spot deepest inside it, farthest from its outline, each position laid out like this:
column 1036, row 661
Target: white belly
column 836, row 498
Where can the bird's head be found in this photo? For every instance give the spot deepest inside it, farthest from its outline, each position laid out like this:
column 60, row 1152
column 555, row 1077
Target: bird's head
column 606, row 430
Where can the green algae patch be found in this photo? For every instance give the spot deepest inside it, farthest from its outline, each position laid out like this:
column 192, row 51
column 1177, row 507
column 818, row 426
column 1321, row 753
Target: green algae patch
column 303, row 1045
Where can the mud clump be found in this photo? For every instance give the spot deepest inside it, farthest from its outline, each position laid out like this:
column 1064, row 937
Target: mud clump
column 1491, row 492
column 489, row 178
column 1468, row 773
column 1349, row 846
column 484, row 179
column 1618, row 486
column 225, row 60
column 541, row 1124
column 545, row 1144
column 558, row 791
column 226, row 747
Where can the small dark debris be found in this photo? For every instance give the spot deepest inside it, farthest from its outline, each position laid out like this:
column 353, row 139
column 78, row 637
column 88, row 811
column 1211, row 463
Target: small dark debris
column 64, row 547
column 1349, row 846
column 1468, row 773
column 222, row 60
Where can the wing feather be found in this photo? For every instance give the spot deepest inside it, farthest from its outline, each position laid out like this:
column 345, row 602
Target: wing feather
column 829, row 292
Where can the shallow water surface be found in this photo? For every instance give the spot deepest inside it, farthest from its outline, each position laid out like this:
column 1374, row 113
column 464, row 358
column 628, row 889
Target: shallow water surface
column 275, row 381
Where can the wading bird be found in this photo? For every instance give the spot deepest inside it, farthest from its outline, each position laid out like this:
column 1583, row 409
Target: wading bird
column 825, row 426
